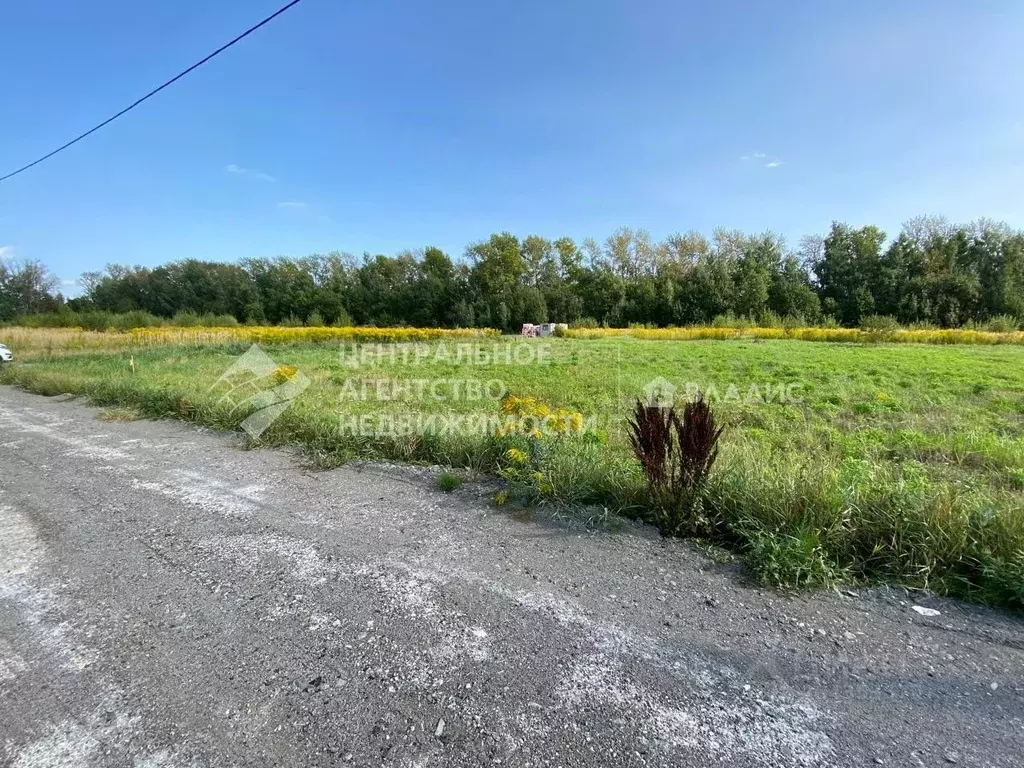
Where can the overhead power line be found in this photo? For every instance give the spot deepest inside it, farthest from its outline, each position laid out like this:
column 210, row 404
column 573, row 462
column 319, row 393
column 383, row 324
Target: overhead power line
column 155, row 91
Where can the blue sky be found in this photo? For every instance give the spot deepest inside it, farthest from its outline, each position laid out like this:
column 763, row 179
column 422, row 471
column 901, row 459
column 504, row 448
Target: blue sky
column 378, row 126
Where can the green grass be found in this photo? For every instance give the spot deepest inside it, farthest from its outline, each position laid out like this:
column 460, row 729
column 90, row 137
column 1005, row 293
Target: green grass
column 448, row 482
column 901, row 462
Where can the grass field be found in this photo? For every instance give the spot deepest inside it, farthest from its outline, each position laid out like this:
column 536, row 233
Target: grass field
column 902, row 462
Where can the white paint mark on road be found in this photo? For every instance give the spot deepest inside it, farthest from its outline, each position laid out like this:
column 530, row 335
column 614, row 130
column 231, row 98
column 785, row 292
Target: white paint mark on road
column 12, row 663
column 82, row 743
column 162, row 759
column 68, row 745
column 51, row 428
column 20, row 554
column 207, row 493
column 708, row 719
column 719, row 720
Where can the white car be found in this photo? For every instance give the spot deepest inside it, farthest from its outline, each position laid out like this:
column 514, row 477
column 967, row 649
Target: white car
column 5, row 354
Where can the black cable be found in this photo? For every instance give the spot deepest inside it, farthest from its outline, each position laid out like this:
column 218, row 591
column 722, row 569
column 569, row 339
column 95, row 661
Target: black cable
column 154, row 92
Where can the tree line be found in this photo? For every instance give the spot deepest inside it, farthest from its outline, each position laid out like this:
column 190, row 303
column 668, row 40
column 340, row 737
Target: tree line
column 932, row 273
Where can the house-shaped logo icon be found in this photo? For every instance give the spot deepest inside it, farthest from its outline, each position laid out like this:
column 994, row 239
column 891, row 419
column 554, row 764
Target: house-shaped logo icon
column 660, row 392
column 255, row 383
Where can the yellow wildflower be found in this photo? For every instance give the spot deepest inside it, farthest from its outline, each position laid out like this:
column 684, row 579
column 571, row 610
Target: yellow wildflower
column 516, row 456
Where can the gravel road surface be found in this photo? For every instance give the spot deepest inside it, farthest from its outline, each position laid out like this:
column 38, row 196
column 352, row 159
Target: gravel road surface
column 167, row 599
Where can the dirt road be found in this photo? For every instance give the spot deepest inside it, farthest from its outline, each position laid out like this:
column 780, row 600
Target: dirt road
column 167, row 599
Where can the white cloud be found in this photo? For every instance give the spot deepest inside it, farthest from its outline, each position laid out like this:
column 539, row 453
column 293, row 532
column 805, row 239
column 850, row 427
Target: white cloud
column 6, row 252
column 292, row 204
column 761, row 156
column 252, row 173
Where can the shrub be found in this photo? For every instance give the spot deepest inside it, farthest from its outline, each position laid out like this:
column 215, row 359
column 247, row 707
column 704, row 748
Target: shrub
column 879, row 327
column 136, row 319
column 728, row 320
column 676, row 454
column 185, row 319
column 792, row 322
column 879, row 323
column 254, row 314
column 343, row 320
column 697, row 436
column 93, row 320
column 650, row 437
column 1002, row 324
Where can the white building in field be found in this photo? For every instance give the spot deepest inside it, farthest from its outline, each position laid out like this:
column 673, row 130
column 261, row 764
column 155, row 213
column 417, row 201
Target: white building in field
column 544, row 329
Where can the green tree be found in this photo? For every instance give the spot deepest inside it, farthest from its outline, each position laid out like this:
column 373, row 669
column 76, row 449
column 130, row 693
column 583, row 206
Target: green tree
column 848, row 268
column 27, row 287
column 497, row 272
